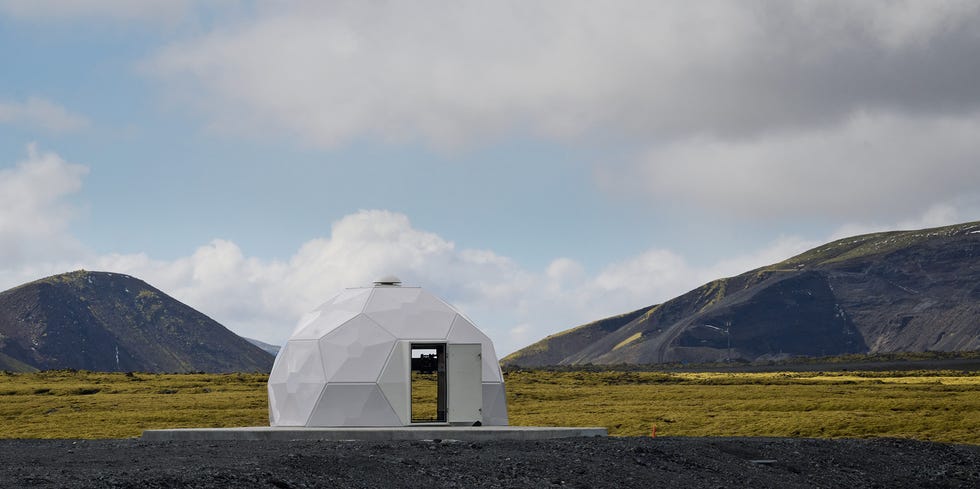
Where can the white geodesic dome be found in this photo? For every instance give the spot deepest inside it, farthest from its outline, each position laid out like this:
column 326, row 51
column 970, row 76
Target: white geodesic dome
column 348, row 361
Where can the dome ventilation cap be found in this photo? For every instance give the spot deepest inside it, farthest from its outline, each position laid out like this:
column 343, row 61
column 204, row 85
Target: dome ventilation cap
column 388, row 281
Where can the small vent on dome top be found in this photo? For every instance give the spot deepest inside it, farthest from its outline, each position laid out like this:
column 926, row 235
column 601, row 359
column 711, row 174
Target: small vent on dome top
column 388, row 281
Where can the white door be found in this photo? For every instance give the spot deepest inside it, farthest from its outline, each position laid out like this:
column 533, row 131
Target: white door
column 464, row 369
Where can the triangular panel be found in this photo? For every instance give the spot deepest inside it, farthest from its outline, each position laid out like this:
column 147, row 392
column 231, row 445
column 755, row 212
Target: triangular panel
column 494, row 404
column 331, row 314
column 353, row 405
column 464, row 331
column 356, row 351
column 410, row 312
column 274, row 413
column 394, row 381
column 278, row 372
column 295, row 383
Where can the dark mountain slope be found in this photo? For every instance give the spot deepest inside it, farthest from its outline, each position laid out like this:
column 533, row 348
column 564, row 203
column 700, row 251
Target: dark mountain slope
column 555, row 348
column 883, row 292
column 111, row 322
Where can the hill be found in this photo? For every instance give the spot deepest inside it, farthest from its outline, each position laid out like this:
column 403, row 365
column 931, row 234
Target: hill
column 269, row 348
column 901, row 291
column 112, row 322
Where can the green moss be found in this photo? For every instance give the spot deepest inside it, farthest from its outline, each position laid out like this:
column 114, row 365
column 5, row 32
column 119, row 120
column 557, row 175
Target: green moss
column 629, row 340
column 712, row 293
column 926, row 405
column 868, row 245
column 146, row 294
column 647, row 315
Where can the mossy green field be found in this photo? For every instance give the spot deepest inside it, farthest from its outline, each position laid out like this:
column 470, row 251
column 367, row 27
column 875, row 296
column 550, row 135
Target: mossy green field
column 925, row 405
column 61, row 404
column 937, row 406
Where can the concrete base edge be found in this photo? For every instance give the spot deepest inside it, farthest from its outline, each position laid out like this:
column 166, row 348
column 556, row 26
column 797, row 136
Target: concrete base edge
column 468, row 433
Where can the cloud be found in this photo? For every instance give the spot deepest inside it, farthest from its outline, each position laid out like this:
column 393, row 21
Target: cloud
column 450, row 74
column 41, row 113
column 264, row 298
column 872, row 166
column 935, row 216
column 653, row 276
column 34, row 212
column 838, row 110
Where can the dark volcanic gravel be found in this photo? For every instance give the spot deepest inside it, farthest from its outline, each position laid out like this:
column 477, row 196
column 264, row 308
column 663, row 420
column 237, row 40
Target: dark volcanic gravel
column 598, row 462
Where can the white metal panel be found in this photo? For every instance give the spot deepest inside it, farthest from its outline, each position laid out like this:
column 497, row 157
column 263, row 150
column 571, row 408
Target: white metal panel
column 353, row 405
column 494, row 404
column 410, row 312
column 295, row 383
column 356, row 351
column 273, row 404
column 395, row 380
column 464, row 367
column 463, row 331
column 331, row 314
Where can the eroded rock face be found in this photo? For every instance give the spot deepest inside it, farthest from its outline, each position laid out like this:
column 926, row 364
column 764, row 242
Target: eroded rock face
column 886, row 292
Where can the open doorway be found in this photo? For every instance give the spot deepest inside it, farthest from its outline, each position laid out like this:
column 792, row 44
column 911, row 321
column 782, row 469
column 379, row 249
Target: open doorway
column 428, row 382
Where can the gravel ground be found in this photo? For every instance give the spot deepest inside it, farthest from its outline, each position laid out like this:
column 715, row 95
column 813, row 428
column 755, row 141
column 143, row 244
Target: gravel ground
column 596, row 462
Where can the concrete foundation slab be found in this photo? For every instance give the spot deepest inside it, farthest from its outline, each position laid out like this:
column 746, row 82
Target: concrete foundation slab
column 467, row 433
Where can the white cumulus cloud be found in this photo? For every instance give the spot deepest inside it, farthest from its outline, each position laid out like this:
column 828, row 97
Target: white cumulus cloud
column 34, row 210
column 514, row 305
column 263, row 298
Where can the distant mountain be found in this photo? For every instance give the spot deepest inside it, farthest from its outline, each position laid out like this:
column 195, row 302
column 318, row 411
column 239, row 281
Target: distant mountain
column 271, row 349
column 111, row 322
column 886, row 292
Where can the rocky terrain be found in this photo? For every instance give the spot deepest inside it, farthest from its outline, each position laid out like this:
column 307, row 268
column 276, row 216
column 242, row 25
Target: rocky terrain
column 903, row 291
column 112, row 322
column 579, row 463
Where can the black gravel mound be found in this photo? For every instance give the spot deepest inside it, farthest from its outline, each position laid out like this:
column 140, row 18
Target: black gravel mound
column 596, row 462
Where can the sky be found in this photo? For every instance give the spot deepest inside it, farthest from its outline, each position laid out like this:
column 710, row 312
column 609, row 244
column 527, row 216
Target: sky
column 538, row 165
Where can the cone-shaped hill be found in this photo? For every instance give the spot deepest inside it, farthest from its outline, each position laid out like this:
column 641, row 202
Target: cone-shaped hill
column 902, row 291
column 112, row 322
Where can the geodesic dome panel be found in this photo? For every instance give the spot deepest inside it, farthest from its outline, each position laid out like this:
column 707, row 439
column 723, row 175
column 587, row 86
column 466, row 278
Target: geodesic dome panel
column 494, row 404
column 393, row 385
column 353, row 405
column 463, row 331
column 409, row 312
column 356, row 351
column 295, row 383
column 336, row 311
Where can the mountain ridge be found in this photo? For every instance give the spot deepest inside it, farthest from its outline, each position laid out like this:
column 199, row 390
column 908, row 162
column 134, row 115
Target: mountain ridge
column 104, row 321
column 878, row 292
